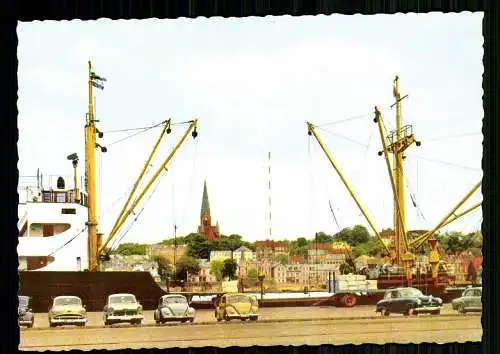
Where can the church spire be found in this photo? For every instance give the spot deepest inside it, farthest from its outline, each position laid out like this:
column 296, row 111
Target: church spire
column 205, row 205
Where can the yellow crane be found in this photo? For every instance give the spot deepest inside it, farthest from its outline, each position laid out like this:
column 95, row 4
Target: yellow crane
column 95, row 249
column 396, row 142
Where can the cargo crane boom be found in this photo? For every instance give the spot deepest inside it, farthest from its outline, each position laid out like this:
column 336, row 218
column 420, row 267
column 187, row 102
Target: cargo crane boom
column 95, row 249
column 396, row 142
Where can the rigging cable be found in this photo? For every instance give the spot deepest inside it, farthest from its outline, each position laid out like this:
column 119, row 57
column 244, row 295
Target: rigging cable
column 451, row 137
column 142, row 130
column 444, row 162
column 67, row 242
column 193, row 168
column 138, row 214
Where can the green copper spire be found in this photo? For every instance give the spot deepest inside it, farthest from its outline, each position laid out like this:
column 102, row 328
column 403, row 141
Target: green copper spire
column 205, row 205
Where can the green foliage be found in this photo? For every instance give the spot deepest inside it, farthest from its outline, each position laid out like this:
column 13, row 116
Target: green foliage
column 372, row 247
column 348, row 266
column 130, row 248
column 321, row 237
column 229, row 267
column 252, row 274
column 455, row 242
column 165, row 268
column 173, row 241
column 185, row 265
column 353, row 236
column 199, row 247
column 281, row 258
column 299, row 247
column 216, row 269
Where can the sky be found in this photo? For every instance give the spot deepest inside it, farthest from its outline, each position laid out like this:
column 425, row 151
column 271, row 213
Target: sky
column 253, row 83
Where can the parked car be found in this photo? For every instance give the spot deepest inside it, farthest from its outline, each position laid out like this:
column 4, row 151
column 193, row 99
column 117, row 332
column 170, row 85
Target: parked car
column 121, row 308
column 26, row 316
column 174, row 308
column 408, row 301
column 470, row 301
column 237, row 306
column 67, row 310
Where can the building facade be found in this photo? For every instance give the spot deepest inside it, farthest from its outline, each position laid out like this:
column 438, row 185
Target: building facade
column 170, row 252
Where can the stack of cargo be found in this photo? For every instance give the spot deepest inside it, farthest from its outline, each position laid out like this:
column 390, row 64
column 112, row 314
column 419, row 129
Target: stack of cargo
column 351, row 282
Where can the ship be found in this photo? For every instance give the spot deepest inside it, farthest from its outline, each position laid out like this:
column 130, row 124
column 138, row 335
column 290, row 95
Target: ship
column 61, row 248
column 401, row 268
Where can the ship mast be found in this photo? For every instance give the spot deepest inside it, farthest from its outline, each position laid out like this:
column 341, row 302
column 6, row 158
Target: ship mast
column 396, row 142
column 90, row 170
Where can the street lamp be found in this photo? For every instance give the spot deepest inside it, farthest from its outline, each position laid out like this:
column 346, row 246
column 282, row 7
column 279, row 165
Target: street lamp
column 74, row 159
column 261, row 280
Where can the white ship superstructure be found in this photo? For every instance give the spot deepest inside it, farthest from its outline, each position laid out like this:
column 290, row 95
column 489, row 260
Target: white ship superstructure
column 52, row 226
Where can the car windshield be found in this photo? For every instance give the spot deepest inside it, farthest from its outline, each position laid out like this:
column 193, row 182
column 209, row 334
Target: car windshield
column 238, row 299
column 410, row 292
column 23, row 300
column 122, row 299
column 67, row 301
column 175, row 300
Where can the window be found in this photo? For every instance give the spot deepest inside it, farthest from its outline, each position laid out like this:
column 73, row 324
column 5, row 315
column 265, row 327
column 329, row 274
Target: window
column 61, row 197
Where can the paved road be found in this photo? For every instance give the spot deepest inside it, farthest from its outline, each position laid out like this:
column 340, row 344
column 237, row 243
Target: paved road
column 439, row 329
column 288, row 326
column 95, row 319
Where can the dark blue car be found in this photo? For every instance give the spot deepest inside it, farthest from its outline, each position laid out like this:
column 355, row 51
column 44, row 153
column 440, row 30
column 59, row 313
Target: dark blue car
column 408, row 301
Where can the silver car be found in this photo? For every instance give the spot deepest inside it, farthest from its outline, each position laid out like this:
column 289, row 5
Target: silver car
column 67, row 310
column 470, row 301
column 174, row 308
column 122, row 308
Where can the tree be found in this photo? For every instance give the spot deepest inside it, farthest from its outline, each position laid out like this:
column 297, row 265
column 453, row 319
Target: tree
column 281, row 258
column 216, row 269
column 198, row 246
column 321, row 237
column 173, row 241
column 252, row 274
column 359, row 234
column 355, row 236
column 165, row 269
column 229, row 267
column 348, row 266
column 185, row 265
column 372, row 247
column 130, row 248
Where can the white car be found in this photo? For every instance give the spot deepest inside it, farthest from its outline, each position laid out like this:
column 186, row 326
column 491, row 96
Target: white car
column 174, row 308
column 67, row 310
column 122, row 308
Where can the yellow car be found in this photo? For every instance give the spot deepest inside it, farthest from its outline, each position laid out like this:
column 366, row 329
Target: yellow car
column 237, row 306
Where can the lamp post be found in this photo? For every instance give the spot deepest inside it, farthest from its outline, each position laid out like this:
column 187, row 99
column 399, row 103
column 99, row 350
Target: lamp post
column 74, row 159
column 261, row 280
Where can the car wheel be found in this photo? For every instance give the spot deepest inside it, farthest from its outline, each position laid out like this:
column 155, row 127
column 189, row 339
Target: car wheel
column 191, row 320
column 408, row 311
column 30, row 325
column 226, row 317
column 349, row 301
column 461, row 310
column 384, row 312
column 255, row 318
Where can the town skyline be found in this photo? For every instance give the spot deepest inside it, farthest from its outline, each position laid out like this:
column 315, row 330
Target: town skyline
column 248, row 104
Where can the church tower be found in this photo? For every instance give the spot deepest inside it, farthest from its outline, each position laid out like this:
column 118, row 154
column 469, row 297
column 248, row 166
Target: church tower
column 206, row 229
